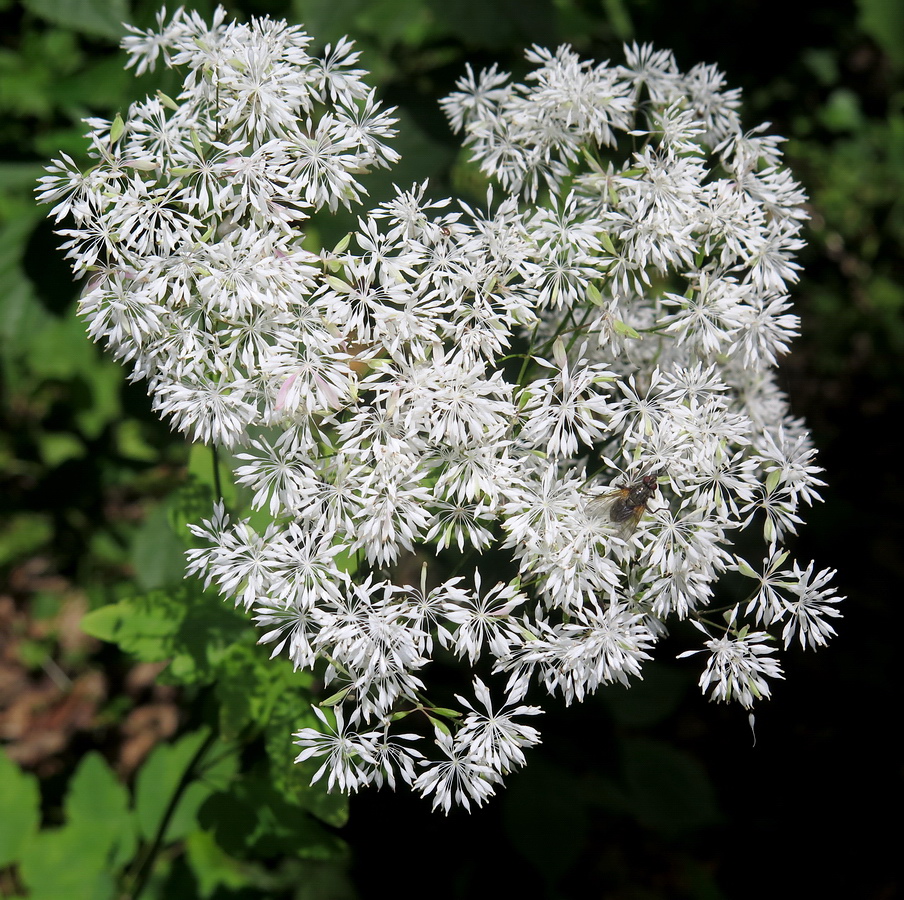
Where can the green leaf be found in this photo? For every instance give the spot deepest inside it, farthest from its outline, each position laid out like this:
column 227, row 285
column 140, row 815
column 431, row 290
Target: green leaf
column 56, row 448
column 884, row 22
column 191, row 627
column 254, row 817
column 212, row 867
column 251, row 687
column 101, row 18
column 668, row 790
column 21, row 809
column 135, row 626
column 79, row 861
column 162, row 776
column 55, row 866
column 23, row 534
column 293, row 780
column 98, row 804
column 650, row 700
column 158, row 554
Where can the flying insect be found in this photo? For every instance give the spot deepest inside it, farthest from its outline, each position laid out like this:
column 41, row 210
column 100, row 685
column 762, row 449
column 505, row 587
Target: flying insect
column 624, row 506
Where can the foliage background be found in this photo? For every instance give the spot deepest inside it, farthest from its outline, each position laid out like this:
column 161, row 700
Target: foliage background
column 651, row 793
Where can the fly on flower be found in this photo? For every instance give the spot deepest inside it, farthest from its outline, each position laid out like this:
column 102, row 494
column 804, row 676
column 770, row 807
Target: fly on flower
column 624, row 506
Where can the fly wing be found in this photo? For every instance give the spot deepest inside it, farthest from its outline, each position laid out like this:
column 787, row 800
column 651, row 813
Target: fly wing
column 602, row 506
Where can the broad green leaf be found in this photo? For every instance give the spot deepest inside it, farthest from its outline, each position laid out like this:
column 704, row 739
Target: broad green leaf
column 160, row 784
column 212, row 867
column 293, row 779
column 192, row 628
column 55, row 866
column 186, row 773
column 884, row 22
column 668, row 790
column 101, row 18
column 136, row 626
column 158, row 554
column 21, row 809
column 648, row 700
column 60, row 349
column 98, row 804
column 22, row 534
column 255, row 817
column 80, row 860
column 251, row 688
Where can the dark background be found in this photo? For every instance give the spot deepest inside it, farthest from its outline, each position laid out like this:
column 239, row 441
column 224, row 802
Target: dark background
column 653, row 793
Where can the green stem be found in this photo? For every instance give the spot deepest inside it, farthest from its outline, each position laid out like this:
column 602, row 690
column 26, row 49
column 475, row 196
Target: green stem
column 145, row 865
column 217, row 484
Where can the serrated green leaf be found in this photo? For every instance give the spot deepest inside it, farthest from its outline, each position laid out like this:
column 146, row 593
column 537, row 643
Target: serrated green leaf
column 136, row 625
column 98, row 804
column 80, row 860
column 55, row 865
column 293, row 780
column 250, row 687
column 21, row 810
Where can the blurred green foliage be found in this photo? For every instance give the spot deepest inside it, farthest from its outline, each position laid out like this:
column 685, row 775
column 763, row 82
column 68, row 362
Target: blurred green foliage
column 97, row 488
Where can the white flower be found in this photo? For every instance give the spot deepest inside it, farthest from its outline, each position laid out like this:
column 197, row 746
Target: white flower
column 348, row 754
column 484, row 619
column 738, row 667
column 458, row 777
column 438, row 399
column 814, row 605
column 494, row 736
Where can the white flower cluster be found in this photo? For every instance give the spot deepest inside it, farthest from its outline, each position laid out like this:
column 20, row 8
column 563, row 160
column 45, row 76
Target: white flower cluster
column 524, row 437
column 189, row 224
